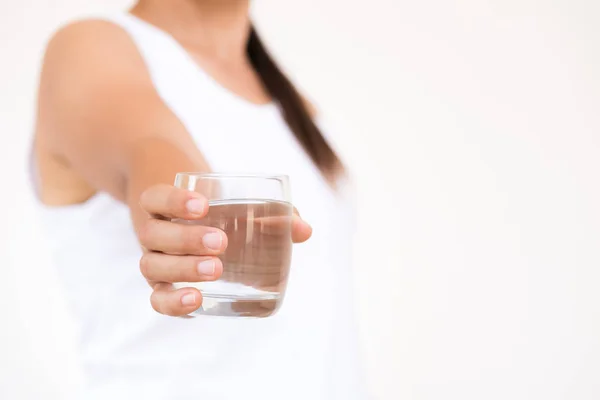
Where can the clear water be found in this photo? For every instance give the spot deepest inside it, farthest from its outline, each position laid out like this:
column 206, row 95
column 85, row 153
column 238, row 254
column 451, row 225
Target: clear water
column 257, row 260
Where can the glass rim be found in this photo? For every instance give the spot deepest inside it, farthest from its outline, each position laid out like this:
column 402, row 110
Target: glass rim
column 233, row 175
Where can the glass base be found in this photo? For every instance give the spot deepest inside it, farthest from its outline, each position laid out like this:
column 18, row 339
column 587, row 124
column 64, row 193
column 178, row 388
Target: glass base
column 232, row 299
column 238, row 306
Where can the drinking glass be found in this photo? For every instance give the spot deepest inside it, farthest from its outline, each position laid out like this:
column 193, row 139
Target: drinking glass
column 255, row 212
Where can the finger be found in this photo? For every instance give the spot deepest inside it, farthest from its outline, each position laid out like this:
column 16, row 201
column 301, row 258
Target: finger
column 301, row 230
column 168, row 301
column 171, row 202
column 178, row 238
column 161, row 267
column 278, row 226
column 282, row 225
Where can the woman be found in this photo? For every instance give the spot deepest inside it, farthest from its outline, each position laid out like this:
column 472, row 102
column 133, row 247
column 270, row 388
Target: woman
column 125, row 103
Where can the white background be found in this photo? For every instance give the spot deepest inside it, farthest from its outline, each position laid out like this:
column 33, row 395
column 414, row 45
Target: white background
column 472, row 127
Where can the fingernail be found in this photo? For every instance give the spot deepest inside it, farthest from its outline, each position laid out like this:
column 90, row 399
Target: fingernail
column 188, row 299
column 206, row 267
column 212, row 241
column 195, row 206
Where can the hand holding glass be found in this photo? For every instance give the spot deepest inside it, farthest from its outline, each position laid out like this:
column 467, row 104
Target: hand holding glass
column 255, row 213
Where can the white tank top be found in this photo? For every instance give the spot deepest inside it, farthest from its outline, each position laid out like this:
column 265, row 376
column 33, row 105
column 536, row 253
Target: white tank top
column 307, row 351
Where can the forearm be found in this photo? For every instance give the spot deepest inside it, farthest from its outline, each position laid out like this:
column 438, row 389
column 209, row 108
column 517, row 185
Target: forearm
column 157, row 162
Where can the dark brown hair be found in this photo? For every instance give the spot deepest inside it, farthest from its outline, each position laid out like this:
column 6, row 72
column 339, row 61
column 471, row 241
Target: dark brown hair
column 293, row 109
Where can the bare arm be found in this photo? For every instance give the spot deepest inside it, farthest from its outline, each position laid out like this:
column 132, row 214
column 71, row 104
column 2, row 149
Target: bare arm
column 99, row 112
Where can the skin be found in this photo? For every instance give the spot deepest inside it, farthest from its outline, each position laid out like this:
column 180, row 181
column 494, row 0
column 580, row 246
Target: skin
column 101, row 126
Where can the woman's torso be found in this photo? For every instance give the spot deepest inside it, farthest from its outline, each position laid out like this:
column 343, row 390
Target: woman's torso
column 306, row 351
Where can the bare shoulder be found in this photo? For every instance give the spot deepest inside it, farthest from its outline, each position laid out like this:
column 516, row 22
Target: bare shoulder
column 89, row 38
column 91, row 70
column 90, row 66
column 86, row 52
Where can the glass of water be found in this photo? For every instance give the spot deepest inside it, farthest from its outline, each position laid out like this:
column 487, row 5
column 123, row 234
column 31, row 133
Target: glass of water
column 255, row 212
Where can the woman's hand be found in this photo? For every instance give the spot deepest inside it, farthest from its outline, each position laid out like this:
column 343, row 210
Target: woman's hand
column 175, row 252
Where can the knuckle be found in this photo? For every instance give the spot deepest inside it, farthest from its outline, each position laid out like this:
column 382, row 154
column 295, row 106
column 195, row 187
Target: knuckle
column 146, row 197
column 147, row 231
column 145, row 265
column 156, row 304
column 170, row 268
column 175, row 199
column 180, row 271
column 144, row 232
column 191, row 238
